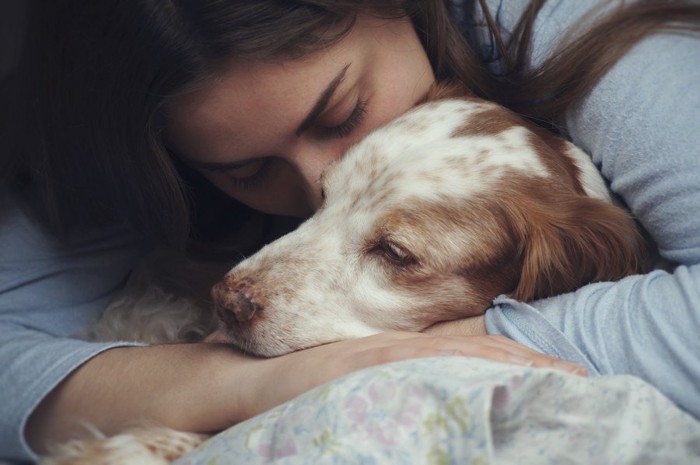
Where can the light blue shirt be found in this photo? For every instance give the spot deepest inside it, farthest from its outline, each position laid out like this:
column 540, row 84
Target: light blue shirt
column 49, row 290
column 641, row 124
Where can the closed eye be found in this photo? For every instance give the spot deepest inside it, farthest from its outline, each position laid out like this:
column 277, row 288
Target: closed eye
column 394, row 254
column 253, row 178
column 245, row 174
column 352, row 122
column 241, row 175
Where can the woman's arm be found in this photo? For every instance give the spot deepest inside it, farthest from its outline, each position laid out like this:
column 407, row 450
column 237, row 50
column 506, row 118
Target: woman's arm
column 209, row 386
column 190, row 387
column 640, row 123
column 641, row 126
column 48, row 292
column 51, row 382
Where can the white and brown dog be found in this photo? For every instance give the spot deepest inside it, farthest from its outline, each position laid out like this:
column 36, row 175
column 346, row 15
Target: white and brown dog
column 427, row 219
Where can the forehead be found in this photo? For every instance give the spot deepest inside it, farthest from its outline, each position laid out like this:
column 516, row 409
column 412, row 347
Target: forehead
column 436, row 151
column 248, row 102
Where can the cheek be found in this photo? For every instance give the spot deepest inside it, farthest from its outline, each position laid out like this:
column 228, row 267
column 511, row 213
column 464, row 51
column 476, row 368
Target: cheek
column 283, row 194
column 393, row 102
column 395, row 93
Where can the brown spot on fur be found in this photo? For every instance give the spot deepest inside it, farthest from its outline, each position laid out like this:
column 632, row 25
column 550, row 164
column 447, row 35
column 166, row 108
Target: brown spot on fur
column 567, row 239
column 492, row 121
column 527, row 238
column 463, row 256
column 551, row 148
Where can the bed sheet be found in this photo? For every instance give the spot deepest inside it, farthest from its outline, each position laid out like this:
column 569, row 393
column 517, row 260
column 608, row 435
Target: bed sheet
column 463, row 410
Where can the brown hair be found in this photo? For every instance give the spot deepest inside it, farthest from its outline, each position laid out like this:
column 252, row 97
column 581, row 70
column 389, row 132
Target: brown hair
column 84, row 132
column 546, row 92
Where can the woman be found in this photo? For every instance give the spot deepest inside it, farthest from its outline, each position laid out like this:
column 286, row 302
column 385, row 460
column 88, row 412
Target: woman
column 134, row 110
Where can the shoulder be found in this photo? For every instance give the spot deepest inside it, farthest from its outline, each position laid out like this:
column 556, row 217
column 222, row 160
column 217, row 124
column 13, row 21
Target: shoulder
column 22, row 236
column 44, row 279
column 556, row 21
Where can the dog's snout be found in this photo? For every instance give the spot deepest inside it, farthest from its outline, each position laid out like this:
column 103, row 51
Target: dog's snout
column 232, row 300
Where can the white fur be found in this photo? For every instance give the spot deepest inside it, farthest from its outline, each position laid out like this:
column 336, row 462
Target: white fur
column 165, row 300
column 590, row 177
column 143, row 445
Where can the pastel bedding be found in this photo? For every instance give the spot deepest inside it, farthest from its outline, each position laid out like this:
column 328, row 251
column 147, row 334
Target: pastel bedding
column 462, row 410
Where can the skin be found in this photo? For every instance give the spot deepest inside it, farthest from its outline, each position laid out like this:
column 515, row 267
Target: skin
column 247, row 131
column 251, row 114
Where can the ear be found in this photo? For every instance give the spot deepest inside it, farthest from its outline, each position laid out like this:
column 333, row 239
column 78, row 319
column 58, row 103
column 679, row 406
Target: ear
column 575, row 241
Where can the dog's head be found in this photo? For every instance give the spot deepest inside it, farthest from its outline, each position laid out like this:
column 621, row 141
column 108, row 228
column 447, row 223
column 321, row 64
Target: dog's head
column 428, row 219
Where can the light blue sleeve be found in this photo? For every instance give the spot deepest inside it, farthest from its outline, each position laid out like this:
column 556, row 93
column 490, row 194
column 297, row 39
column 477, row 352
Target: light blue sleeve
column 48, row 292
column 641, row 125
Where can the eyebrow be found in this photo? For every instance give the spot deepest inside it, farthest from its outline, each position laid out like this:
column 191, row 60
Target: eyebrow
column 322, row 101
column 309, row 120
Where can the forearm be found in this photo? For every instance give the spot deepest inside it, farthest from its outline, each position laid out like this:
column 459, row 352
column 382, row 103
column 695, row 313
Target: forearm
column 644, row 325
column 207, row 387
column 189, row 387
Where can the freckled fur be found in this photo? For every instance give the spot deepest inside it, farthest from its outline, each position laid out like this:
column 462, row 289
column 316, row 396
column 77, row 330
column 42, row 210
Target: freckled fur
column 486, row 204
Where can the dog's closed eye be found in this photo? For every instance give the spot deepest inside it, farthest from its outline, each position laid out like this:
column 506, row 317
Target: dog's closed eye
column 393, row 253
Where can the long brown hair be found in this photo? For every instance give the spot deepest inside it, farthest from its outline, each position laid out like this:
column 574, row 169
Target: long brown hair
column 83, row 130
column 545, row 92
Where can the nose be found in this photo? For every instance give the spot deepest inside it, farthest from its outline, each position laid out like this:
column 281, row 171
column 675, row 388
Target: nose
column 234, row 303
column 310, row 159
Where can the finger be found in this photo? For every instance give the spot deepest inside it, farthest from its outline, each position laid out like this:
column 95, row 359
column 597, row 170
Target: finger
column 394, row 346
column 523, row 355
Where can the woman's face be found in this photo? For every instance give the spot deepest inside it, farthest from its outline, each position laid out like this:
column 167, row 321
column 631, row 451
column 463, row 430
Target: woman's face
column 263, row 132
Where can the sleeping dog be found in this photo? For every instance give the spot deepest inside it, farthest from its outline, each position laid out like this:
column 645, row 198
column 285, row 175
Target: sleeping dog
column 428, row 219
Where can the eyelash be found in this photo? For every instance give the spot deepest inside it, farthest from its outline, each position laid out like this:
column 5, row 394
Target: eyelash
column 252, row 181
column 345, row 128
column 338, row 132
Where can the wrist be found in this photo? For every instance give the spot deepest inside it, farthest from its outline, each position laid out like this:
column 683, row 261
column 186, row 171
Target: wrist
column 471, row 326
column 215, row 391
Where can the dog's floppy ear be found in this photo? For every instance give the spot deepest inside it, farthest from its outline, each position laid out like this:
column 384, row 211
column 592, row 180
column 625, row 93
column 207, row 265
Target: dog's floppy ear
column 573, row 241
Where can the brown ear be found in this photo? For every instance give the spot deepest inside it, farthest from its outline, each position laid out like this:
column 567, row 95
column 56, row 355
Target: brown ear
column 574, row 241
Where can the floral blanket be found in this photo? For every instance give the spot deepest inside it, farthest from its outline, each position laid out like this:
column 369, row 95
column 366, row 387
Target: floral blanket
column 461, row 410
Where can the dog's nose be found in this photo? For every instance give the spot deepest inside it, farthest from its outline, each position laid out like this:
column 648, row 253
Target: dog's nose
column 232, row 299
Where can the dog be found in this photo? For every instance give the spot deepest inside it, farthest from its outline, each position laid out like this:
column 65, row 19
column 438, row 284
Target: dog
column 428, row 219
column 425, row 220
